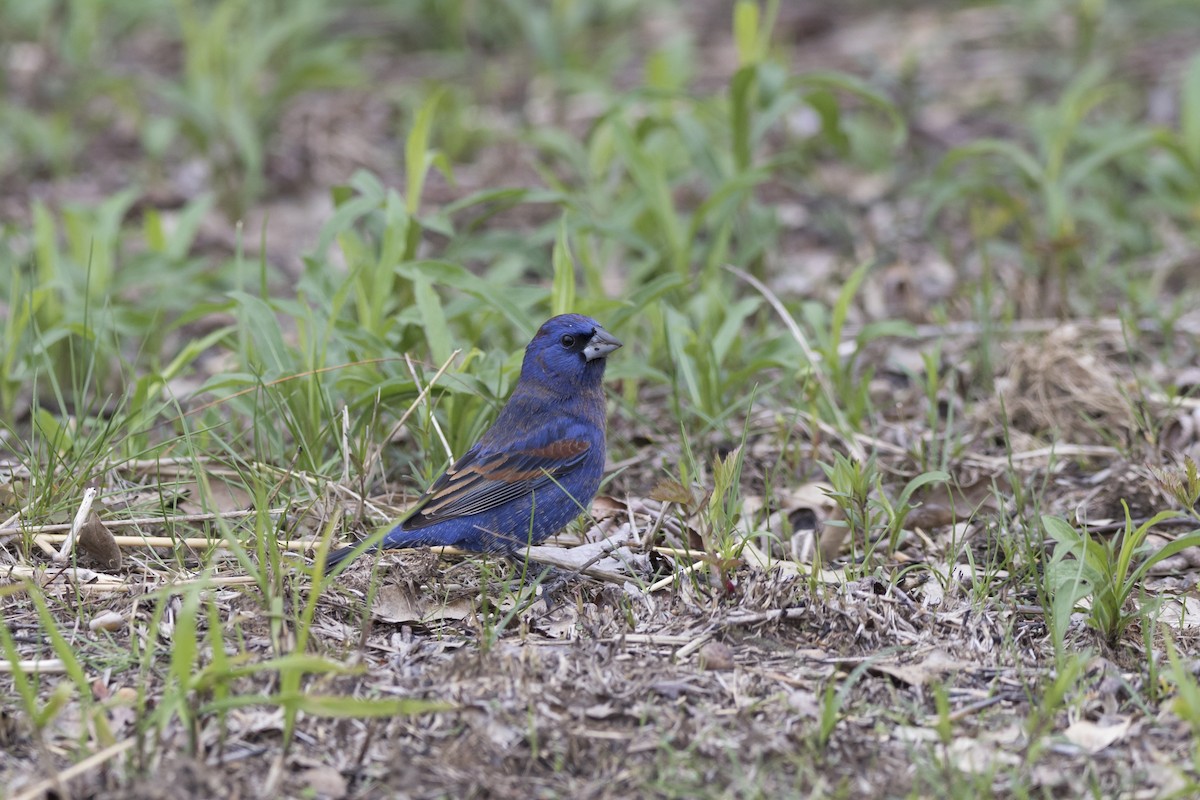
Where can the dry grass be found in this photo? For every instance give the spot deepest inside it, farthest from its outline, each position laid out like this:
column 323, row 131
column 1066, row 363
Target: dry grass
column 756, row 678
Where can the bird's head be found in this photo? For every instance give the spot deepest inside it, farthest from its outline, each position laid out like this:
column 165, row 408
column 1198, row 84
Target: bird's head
column 569, row 350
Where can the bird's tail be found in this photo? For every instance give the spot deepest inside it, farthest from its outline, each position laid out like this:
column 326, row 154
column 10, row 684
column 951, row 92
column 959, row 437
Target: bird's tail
column 341, row 554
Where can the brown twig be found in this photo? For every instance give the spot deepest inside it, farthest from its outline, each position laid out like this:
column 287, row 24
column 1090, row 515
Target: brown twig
column 127, row 523
column 41, row 666
column 291, row 545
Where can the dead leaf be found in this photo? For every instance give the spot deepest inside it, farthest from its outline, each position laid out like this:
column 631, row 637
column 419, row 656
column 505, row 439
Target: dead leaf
column 399, row 604
column 324, row 782
column 690, row 498
column 98, row 543
column 605, row 507
column 1181, row 612
column 561, row 623
column 935, row 664
column 986, row 753
column 1095, row 736
column 1181, row 562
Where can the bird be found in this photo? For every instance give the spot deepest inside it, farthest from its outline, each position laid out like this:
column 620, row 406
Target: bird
column 537, row 467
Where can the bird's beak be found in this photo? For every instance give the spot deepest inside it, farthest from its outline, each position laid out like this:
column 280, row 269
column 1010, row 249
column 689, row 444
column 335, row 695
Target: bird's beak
column 600, row 345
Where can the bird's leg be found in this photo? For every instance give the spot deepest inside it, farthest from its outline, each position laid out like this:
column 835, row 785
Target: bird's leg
column 554, row 581
column 551, row 579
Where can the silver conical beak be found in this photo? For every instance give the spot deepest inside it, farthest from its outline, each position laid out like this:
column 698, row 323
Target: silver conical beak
column 600, row 345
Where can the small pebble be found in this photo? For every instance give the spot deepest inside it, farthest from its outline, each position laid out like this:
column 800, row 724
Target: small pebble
column 715, row 655
column 107, row 621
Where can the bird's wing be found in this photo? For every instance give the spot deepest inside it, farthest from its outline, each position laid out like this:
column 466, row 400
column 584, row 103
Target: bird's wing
column 482, row 480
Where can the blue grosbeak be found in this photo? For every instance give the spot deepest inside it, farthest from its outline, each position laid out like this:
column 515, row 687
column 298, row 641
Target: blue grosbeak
column 539, row 465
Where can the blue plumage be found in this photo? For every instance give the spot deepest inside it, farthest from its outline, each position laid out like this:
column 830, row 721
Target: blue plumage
column 537, row 467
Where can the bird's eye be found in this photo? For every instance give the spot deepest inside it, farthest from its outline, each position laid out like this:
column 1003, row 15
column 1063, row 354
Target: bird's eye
column 567, row 341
